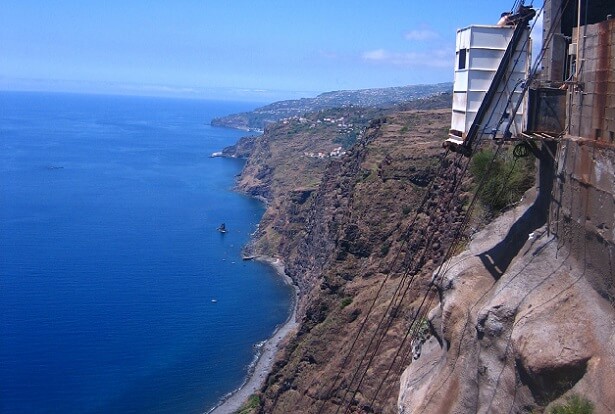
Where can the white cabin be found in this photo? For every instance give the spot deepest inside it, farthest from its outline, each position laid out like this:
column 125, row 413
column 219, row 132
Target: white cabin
column 479, row 51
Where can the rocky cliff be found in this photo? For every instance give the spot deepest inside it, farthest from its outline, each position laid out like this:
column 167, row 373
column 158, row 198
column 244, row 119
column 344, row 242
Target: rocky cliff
column 508, row 325
column 347, row 228
column 516, row 341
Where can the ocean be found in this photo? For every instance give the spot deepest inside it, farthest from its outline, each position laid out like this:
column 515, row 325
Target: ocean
column 117, row 293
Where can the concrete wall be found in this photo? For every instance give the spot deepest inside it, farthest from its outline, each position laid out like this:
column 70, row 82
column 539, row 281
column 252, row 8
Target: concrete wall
column 592, row 102
column 554, row 60
column 582, row 212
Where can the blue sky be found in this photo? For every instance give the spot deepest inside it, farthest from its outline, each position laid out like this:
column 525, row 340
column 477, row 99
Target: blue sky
column 252, row 50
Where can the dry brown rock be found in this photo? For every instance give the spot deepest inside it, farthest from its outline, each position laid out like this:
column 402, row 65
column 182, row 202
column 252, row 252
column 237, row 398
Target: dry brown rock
column 519, row 343
column 514, row 331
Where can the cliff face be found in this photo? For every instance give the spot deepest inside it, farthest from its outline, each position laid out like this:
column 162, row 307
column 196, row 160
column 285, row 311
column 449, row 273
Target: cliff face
column 519, row 342
column 347, row 241
column 513, row 323
column 285, row 167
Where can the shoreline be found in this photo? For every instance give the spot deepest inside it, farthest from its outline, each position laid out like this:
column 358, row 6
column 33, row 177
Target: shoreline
column 261, row 369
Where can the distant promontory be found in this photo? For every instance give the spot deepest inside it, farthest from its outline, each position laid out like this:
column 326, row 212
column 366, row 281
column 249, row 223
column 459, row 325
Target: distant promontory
column 368, row 98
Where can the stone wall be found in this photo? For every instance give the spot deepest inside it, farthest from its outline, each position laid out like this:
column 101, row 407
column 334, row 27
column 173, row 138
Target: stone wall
column 583, row 210
column 592, row 101
column 554, row 61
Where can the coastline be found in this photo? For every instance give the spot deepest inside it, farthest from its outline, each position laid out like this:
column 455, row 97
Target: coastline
column 261, row 369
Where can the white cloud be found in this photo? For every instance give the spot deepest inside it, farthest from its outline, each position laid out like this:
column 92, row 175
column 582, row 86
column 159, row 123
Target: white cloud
column 427, row 56
column 437, row 58
column 379, row 54
column 422, row 34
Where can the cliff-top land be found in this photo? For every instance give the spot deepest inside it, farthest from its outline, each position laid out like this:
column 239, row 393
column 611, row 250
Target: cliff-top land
column 365, row 98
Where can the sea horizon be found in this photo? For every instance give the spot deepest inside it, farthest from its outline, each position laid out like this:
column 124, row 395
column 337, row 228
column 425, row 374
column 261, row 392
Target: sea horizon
column 251, row 97
column 119, row 294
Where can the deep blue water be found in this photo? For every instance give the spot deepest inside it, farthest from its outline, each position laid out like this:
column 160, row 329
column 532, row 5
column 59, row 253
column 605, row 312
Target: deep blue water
column 110, row 258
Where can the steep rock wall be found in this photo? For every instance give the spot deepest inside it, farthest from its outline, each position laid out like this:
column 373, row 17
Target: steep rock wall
column 517, row 344
column 353, row 229
column 357, row 246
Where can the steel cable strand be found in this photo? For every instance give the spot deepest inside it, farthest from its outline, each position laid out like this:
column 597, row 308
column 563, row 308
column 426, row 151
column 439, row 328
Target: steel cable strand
column 491, row 115
column 368, row 138
column 505, row 81
column 506, row 180
column 535, row 67
column 457, row 184
column 442, row 157
column 458, row 233
column 410, row 333
column 418, row 266
column 472, row 205
column 453, row 243
column 414, row 320
column 354, row 342
column 380, row 324
column 405, row 357
column 412, row 269
column 469, row 313
column 467, row 321
column 507, row 78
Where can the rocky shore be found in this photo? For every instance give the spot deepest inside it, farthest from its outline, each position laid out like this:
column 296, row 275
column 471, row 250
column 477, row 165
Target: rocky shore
column 258, row 374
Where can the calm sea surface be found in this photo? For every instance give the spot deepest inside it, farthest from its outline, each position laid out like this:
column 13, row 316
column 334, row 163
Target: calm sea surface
column 110, row 258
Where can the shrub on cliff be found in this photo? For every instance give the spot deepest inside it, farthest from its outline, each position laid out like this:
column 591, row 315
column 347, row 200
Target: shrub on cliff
column 575, row 404
column 504, row 178
column 250, row 406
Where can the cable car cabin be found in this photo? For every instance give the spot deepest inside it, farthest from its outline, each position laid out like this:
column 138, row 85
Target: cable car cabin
column 491, row 66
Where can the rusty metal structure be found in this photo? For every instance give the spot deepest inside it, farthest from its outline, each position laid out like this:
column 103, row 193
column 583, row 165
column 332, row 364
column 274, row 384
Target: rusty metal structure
column 579, row 64
column 567, row 105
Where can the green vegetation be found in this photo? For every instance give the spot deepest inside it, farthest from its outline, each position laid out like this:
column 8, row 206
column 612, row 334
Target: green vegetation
column 251, row 405
column 461, row 245
column 420, row 328
column 575, row 404
column 505, row 178
column 421, row 96
column 345, row 302
column 384, row 249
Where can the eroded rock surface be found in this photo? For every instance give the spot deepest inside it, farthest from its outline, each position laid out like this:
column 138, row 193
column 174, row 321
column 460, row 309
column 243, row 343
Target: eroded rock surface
column 519, row 343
